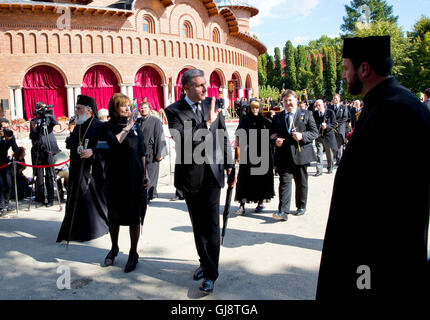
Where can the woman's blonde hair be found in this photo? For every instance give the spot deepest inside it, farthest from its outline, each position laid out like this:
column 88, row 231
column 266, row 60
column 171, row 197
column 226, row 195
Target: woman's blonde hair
column 117, row 100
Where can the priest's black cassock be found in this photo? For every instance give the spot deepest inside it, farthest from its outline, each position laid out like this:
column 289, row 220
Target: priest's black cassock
column 86, row 191
column 156, row 148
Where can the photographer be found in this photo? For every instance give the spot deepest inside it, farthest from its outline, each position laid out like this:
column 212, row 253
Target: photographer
column 44, row 147
column 7, row 141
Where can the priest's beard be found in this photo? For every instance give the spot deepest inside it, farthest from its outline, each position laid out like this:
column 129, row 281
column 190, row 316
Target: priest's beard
column 81, row 118
column 355, row 86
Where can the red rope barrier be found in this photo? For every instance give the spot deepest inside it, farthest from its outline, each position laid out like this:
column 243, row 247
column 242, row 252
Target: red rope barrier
column 42, row 166
column 59, row 131
column 4, row 166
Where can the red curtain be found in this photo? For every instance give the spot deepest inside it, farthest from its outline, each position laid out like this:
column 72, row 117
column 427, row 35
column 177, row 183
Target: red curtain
column 44, row 84
column 178, row 86
column 101, row 84
column 214, row 85
column 147, row 84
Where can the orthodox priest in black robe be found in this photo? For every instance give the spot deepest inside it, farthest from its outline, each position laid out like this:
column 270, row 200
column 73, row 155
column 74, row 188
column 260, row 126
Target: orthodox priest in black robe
column 86, row 210
column 155, row 145
column 375, row 245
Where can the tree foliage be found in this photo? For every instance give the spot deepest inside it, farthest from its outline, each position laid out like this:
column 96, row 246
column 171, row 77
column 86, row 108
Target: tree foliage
column 290, row 66
column 380, row 10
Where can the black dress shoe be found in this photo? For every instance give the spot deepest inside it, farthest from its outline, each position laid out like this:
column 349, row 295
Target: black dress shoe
column 110, row 258
column 176, row 198
column 50, row 204
column 207, row 286
column 133, row 260
column 259, row 209
column 198, row 273
column 330, row 170
column 300, row 212
column 318, row 174
column 280, row 216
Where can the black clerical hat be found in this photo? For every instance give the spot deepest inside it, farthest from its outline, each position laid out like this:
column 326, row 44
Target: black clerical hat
column 369, row 48
column 89, row 102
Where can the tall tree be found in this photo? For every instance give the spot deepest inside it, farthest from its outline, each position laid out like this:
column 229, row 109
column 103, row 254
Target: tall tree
column 302, row 68
column 290, row 66
column 329, row 72
column 270, row 71
column 339, row 68
column 278, row 69
column 262, row 71
column 417, row 74
column 380, row 10
column 317, row 75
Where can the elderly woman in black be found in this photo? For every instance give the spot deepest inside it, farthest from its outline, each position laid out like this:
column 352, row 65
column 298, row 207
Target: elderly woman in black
column 126, row 177
column 252, row 187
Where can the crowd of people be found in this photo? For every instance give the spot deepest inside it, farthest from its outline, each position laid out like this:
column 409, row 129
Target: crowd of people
column 114, row 167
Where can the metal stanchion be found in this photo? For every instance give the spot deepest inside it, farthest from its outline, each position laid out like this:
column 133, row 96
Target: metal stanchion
column 16, row 187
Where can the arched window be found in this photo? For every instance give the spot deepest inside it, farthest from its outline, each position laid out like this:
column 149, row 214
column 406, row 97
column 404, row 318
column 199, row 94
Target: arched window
column 148, row 24
column 187, row 30
column 216, row 36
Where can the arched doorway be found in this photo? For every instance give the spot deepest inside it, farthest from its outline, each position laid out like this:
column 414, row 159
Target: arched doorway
column 234, row 86
column 178, row 85
column 147, row 84
column 214, row 85
column 100, row 83
column 44, row 84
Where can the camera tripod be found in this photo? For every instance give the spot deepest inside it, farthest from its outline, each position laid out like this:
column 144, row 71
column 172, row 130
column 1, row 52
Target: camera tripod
column 51, row 170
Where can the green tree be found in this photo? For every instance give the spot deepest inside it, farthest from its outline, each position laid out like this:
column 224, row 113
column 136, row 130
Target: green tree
column 290, row 66
column 317, row 75
column 302, row 68
column 262, row 69
column 380, row 10
column 278, row 69
column 329, row 72
column 417, row 74
column 339, row 68
column 270, row 71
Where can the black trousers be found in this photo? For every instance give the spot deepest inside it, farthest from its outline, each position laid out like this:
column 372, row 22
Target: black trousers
column 203, row 207
column 45, row 177
column 5, row 187
column 300, row 176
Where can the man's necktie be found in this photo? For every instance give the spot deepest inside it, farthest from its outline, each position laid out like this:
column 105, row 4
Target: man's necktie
column 198, row 112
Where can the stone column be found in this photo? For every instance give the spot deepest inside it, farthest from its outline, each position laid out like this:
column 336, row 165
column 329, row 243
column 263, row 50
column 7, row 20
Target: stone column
column 12, row 107
column 77, row 92
column 250, row 93
column 19, row 107
column 166, row 95
column 241, row 93
column 123, row 88
column 130, row 91
column 70, row 101
column 225, row 96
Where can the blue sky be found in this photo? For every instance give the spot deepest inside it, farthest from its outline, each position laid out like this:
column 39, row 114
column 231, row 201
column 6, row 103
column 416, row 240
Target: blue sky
column 303, row 20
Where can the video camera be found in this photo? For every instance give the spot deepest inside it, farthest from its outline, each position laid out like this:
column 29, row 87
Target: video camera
column 7, row 132
column 42, row 110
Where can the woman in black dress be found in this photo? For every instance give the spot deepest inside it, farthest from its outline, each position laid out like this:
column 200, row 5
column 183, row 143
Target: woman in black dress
column 249, row 187
column 126, row 177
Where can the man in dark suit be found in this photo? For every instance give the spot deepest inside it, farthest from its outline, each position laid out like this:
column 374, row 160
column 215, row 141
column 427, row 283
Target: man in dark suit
column 342, row 121
column 427, row 98
column 325, row 120
column 375, row 245
column 294, row 130
column 203, row 152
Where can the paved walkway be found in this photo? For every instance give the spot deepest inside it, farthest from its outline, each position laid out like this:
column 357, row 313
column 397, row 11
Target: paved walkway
column 261, row 258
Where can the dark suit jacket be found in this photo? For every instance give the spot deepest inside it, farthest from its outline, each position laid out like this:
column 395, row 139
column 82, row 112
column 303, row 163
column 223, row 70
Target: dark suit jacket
column 304, row 123
column 342, row 119
column 189, row 174
column 328, row 133
column 427, row 104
